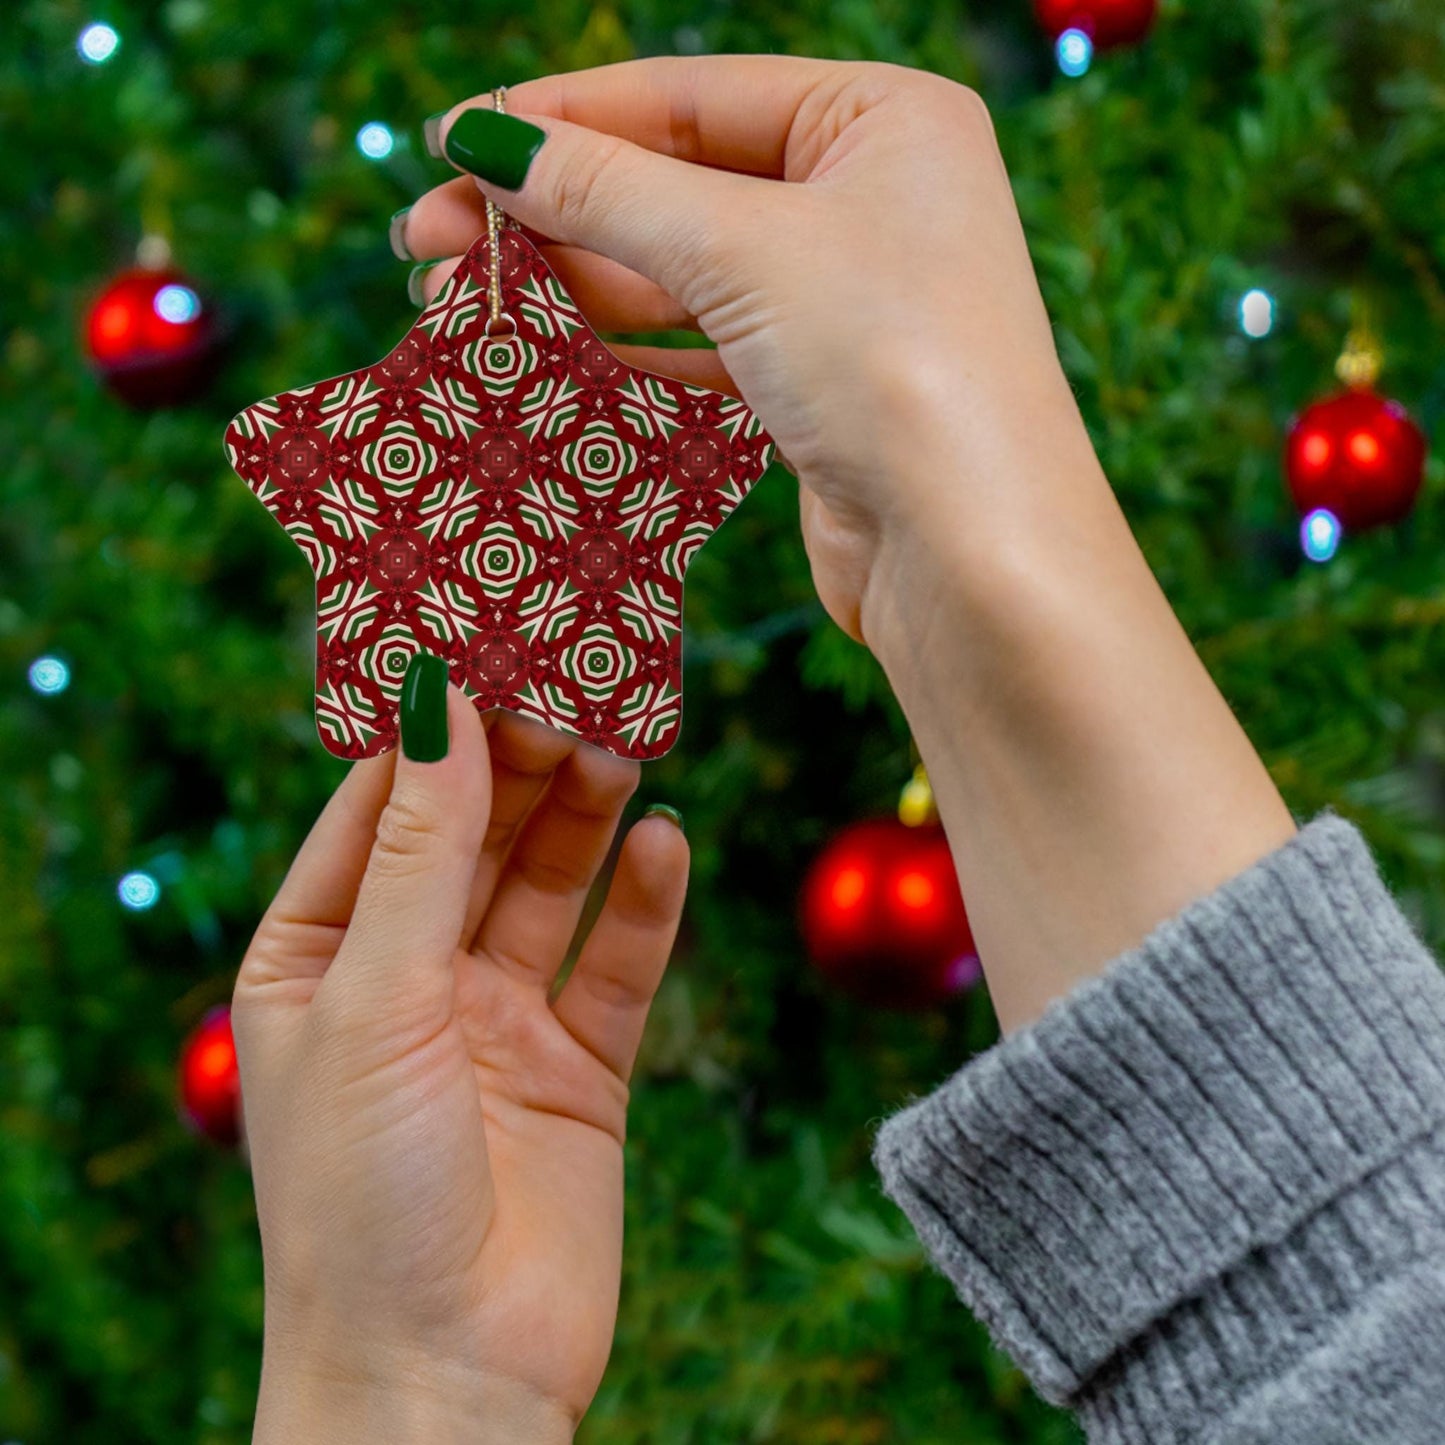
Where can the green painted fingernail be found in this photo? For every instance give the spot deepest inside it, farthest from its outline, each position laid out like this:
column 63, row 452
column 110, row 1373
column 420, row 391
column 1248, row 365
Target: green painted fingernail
column 396, row 234
column 661, row 810
column 424, row 708
column 414, row 292
column 431, row 134
column 497, row 147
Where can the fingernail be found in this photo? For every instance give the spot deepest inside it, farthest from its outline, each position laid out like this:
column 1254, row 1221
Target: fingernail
column 661, row 810
column 396, row 234
column 497, row 147
column 414, row 292
column 431, row 133
column 424, row 708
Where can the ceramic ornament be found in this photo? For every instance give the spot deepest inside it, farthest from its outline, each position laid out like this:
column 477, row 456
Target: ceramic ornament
column 524, row 505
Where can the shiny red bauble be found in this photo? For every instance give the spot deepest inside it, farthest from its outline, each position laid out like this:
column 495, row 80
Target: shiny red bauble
column 883, row 918
column 1107, row 23
column 210, row 1082
column 152, row 338
column 1359, row 456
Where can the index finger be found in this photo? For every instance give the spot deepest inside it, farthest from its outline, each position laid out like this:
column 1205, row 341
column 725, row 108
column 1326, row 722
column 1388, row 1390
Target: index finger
column 732, row 111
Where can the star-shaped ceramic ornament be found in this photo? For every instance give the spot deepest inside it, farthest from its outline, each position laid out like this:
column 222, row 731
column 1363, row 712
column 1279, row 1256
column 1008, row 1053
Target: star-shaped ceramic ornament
column 524, row 506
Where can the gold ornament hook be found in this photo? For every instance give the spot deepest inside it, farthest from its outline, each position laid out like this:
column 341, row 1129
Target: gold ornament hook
column 1360, row 362
column 1363, row 357
column 916, row 807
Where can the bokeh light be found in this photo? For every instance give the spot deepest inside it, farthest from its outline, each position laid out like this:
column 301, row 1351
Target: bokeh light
column 138, row 891
column 1256, row 313
column 97, row 43
column 915, row 889
column 849, row 887
column 1320, row 534
column 375, row 140
column 49, row 675
column 177, row 304
column 1075, row 52
column 1364, row 448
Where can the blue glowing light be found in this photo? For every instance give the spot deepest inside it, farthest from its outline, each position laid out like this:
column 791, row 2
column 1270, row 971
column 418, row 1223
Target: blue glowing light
column 97, row 44
column 1256, row 313
column 49, row 675
column 1074, row 52
column 375, row 141
column 138, row 891
column 1320, row 534
column 177, row 304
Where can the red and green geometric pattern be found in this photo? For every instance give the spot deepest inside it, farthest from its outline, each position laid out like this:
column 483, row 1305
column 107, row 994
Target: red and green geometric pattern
column 526, row 508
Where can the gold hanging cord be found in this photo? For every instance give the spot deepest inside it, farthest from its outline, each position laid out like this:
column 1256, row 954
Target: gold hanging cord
column 496, row 219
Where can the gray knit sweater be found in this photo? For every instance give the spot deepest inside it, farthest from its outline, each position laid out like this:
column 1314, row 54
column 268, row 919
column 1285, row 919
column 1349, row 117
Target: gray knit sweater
column 1203, row 1198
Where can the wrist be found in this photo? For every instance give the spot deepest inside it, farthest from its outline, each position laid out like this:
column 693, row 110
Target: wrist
column 989, row 530
column 324, row 1402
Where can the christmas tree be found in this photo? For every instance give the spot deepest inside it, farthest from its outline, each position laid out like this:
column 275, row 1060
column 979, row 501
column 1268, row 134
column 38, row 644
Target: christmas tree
column 1212, row 211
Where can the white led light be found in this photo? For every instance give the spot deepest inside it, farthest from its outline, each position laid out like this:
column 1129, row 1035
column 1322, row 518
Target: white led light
column 49, row 675
column 1320, row 534
column 375, row 141
column 1074, row 52
column 138, row 891
column 97, row 44
column 177, row 304
column 1256, row 313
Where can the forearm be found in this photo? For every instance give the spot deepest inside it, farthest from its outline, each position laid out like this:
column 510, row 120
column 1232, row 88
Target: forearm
column 1090, row 775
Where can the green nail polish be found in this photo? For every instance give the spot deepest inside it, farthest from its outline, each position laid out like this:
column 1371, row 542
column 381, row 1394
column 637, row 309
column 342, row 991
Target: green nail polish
column 661, row 810
column 431, row 134
column 396, row 234
column 424, row 708
column 414, row 293
column 497, row 147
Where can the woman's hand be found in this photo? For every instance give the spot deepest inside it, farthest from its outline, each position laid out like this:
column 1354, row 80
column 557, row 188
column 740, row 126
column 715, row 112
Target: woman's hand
column 846, row 233
column 437, row 1148
column 883, row 303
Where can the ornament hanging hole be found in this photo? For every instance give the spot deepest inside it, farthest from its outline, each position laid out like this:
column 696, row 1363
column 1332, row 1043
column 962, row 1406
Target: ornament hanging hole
column 501, row 328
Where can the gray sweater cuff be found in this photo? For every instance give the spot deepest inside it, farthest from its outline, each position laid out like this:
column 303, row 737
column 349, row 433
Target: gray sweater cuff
column 1201, row 1116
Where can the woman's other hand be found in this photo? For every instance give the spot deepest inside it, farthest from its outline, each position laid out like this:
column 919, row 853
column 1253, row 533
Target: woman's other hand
column 437, row 1146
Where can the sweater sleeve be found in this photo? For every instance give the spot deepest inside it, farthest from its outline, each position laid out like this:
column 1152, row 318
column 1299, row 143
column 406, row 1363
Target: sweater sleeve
column 1202, row 1199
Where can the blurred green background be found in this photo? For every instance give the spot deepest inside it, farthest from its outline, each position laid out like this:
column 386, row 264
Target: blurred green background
column 771, row 1292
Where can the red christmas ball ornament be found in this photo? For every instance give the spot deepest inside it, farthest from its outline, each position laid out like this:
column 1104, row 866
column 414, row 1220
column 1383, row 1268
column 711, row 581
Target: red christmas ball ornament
column 210, row 1082
column 1107, row 23
column 152, row 338
column 1358, row 456
column 883, row 918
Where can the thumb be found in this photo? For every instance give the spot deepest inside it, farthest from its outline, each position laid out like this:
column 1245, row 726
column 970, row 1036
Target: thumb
column 412, row 902
column 667, row 219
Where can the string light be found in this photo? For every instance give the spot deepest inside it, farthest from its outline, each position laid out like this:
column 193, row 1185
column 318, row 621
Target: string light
column 1320, row 534
column 1074, row 52
column 375, row 140
column 97, row 43
column 1256, row 313
column 48, row 676
column 965, row 971
column 138, row 891
column 177, row 304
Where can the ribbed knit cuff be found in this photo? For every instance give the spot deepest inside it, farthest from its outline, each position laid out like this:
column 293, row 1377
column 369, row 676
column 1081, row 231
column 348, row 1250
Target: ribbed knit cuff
column 1182, row 1121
